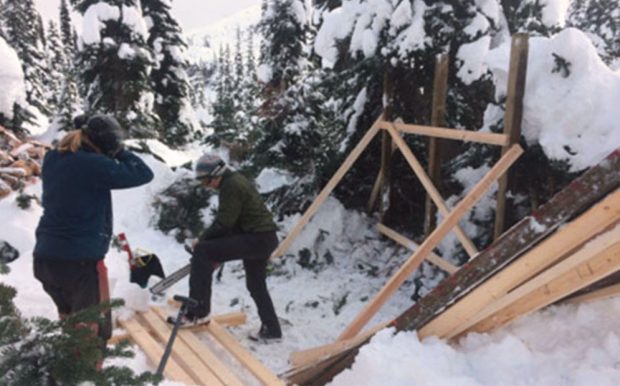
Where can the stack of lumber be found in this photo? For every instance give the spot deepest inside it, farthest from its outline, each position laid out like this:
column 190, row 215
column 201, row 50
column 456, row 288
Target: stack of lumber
column 564, row 246
column 193, row 360
column 20, row 161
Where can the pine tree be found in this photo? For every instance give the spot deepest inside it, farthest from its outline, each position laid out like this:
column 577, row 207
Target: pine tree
column 57, row 65
column 600, row 18
column 115, row 63
column 527, row 16
column 169, row 77
column 26, row 38
column 223, row 108
column 66, row 29
column 68, row 98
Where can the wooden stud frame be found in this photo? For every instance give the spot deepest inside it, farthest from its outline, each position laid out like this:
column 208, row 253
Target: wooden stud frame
column 431, row 242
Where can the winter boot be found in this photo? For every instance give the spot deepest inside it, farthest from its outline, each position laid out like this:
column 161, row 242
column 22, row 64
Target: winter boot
column 265, row 334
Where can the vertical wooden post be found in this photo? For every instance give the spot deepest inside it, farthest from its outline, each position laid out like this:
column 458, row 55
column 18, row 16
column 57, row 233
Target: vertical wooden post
column 382, row 182
column 512, row 117
column 440, row 91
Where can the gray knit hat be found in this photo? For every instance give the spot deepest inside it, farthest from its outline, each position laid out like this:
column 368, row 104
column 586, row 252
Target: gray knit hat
column 210, row 165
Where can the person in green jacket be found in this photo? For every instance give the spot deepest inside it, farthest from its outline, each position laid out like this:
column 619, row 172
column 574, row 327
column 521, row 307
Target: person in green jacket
column 243, row 229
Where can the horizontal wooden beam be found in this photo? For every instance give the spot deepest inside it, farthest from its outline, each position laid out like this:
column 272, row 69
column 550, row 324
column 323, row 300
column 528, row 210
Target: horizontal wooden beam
column 412, row 245
column 454, row 134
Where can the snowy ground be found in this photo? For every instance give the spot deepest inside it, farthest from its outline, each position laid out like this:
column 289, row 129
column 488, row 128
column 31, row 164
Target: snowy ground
column 564, row 345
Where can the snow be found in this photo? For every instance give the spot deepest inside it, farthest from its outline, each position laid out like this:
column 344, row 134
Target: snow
column 569, row 114
column 472, row 55
column 271, row 179
column 575, row 345
column 12, row 80
column 94, row 19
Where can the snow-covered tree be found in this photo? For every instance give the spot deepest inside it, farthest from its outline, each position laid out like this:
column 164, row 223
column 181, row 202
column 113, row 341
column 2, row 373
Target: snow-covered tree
column 23, row 33
column 57, row 65
column 169, row 77
column 115, row 62
column 600, row 19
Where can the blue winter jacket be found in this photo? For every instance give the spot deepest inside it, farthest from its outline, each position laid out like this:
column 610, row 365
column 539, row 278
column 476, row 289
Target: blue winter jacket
column 77, row 205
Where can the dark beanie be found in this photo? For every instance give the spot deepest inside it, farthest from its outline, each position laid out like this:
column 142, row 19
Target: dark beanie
column 105, row 132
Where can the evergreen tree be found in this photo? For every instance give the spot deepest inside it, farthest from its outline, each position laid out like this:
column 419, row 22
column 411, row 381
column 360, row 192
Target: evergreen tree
column 169, row 77
column 527, row 16
column 66, row 29
column 57, row 65
column 223, row 108
column 26, row 38
column 599, row 18
column 114, row 65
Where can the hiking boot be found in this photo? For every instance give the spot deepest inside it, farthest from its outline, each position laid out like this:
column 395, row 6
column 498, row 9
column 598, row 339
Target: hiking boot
column 265, row 335
column 188, row 320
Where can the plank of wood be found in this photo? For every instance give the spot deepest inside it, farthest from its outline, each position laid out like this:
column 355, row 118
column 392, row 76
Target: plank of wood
column 599, row 294
column 438, row 119
column 262, row 373
column 442, row 132
column 230, row 319
column 212, row 362
column 579, row 195
column 412, row 245
column 154, row 351
column 329, row 187
column 116, row 339
column 512, row 117
column 581, row 256
column 431, row 242
column 304, row 357
column 430, row 188
column 458, row 316
column 586, row 270
column 184, row 356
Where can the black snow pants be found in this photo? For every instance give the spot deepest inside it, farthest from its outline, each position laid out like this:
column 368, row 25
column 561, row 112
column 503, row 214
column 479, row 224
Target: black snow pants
column 254, row 249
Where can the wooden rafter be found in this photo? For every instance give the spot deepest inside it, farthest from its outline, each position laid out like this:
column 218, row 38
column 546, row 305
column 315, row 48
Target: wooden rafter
column 431, row 242
column 454, row 134
column 329, row 187
column 412, row 245
column 429, row 186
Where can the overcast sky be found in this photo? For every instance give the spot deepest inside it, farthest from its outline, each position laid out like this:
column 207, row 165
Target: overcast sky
column 190, row 14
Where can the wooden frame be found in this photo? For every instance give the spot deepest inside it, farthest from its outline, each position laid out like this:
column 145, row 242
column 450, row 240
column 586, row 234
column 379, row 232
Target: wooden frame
column 512, row 117
column 429, row 186
column 463, row 313
column 431, row 242
column 412, row 245
column 438, row 119
column 331, row 184
column 454, row 134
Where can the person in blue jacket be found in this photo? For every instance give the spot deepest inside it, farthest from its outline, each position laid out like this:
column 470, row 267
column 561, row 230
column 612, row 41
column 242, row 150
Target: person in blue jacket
column 74, row 232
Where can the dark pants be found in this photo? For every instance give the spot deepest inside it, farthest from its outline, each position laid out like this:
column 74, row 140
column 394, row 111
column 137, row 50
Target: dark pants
column 254, row 249
column 75, row 286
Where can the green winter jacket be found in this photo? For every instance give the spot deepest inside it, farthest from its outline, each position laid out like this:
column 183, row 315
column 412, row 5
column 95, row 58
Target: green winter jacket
column 241, row 209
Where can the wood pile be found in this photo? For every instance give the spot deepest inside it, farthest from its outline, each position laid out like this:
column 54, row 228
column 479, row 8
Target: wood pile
column 20, row 161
